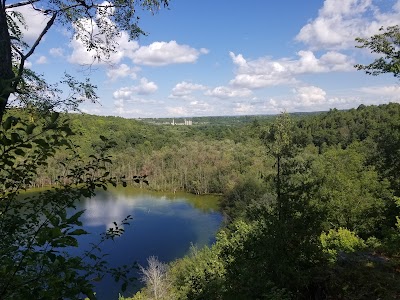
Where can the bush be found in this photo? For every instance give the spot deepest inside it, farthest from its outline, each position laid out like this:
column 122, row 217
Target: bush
column 341, row 240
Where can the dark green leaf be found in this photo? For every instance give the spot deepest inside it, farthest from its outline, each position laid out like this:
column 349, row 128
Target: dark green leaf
column 19, row 152
column 78, row 232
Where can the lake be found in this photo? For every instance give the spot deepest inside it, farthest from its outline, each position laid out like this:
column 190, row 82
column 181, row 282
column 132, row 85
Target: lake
column 164, row 225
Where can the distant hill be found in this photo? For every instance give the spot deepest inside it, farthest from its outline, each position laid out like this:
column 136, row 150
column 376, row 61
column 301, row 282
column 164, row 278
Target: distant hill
column 221, row 120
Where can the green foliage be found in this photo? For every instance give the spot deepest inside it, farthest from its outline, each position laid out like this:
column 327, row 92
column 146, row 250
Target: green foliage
column 387, row 44
column 16, row 19
column 336, row 170
column 37, row 230
column 173, row 158
column 235, row 201
column 392, row 238
column 351, row 192
column 199, row 275
column 110, row 19
column 342, row 240
column 278, row 138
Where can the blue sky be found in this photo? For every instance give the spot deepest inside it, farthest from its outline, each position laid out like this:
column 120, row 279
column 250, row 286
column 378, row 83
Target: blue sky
column 231, row 57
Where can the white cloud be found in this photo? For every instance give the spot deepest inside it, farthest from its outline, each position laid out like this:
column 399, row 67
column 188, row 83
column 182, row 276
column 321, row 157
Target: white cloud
column 344, row 7
column 124, row 93
column 165, row 53
column 238, row 60
column 155, row 54
column 35, row 23
column 312, row 98
column 336, row 61
column 41, row 60
column 127, row 104
column 224, row 92
column 200, row 106
column 185, row 89
column 194, row 108
column 245, row 108
column 391, row 92
column 276, row 106
column 56, row 52
column 308, row 96
column 145, row 87
column 122, row 71
column 177, row 111
column 28, row 64
column 264, row 71
column 339, row 22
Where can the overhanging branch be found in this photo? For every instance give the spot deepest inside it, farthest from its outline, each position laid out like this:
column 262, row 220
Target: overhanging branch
column 37, row 42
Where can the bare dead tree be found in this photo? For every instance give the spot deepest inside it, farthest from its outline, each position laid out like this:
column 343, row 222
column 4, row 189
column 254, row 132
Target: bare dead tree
column 155, row 277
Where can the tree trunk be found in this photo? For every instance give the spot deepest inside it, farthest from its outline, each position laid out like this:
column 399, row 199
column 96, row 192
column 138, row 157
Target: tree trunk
column 6, row 71
column 278, row 187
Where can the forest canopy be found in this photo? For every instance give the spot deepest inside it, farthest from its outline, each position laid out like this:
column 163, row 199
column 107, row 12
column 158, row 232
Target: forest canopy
column 311, row 201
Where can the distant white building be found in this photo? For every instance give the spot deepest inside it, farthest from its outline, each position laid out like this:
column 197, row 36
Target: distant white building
column 185, row 122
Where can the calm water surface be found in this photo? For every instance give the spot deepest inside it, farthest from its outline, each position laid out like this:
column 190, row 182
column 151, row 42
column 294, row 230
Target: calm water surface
column 164, row 225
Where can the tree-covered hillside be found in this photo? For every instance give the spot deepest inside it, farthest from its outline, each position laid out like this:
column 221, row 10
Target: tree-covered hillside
column 312, row 209
column 311, row 202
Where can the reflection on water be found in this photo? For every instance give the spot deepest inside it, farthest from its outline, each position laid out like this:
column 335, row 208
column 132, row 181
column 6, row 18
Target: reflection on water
column 164, row 225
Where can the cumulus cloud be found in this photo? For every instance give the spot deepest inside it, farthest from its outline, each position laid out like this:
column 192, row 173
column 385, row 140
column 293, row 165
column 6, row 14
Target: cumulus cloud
column 308, row 96
column 245, row 109
column 144, row 87
column 192, row 108
column 224, row 92
column 41, row 60
column 264, row 71
column 339, row 22
column 121, row 94
column 122, row 71
column 185, row 89
column 155, row 54
column 165, row 53
column 127, row 104
column 177, row 111
column 391, row 92
column 312, row 98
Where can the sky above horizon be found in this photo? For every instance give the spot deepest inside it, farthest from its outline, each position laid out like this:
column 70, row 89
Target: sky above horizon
column 220, row 57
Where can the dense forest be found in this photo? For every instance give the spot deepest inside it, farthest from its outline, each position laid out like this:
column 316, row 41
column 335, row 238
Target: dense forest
column 214, row 158
column 311, row 201
column 311, row 206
